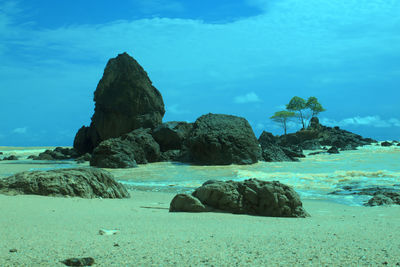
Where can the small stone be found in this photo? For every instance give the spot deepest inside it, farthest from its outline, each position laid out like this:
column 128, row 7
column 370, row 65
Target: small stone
column 88, row 261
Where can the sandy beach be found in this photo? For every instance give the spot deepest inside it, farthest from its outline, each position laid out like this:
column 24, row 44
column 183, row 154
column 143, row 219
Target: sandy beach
column 46, row 230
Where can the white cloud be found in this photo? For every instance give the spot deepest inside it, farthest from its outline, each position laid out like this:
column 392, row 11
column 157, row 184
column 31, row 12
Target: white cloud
column 394, row 122
column 247, row 98
column 372, row 121
column 22, row 130
column 176, row 110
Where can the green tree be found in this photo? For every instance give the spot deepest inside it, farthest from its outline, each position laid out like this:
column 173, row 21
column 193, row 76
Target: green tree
column 314, row 106
column 298, row 104
column 282, row 117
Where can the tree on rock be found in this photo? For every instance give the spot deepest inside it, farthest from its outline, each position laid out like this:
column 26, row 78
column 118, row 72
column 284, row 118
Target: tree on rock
column 314, row 106
column 282, row 117
column 298, row 104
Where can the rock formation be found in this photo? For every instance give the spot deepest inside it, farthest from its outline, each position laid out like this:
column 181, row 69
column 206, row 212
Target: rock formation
column 137, row 146
column 316, row 135
column 271, row 151
column 113, row 153
column 218, row 139
column 59, row 153
column 125, row 100
column 385, row 198
column 254, row 197
column 172, row 135
column 85, row 182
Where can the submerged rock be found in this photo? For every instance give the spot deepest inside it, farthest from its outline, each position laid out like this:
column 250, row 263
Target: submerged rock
column 253, row 197
column 85, row 183
column 59, row 153
column 12, row 157
column 384, row 198
column 386, row 143
column 218, row 139
column 333, row 150
column 125, row 100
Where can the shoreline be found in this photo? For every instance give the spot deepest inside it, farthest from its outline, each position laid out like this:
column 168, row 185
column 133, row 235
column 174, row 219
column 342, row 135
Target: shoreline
column 46, row 230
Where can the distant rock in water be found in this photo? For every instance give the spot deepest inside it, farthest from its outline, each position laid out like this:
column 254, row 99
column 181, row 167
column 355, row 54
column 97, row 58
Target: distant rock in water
column 317, row 135
column 384, row 198
column 12, row 157
column 253, row 197
column 218, row 139
column 85, row 183
column 386, row 143
column 125, row 100
column 59, row 153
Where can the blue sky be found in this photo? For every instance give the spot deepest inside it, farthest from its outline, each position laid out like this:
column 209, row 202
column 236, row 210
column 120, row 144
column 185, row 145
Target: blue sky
column 246, row 58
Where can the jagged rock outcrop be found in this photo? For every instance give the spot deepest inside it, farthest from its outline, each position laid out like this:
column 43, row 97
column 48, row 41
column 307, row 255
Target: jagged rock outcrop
column 113, row 153
column 254, row 197
column 271, row 151
column 172, row 135
column 318, row 134
column 85, row 183
column 218, row 139
column 384, row 198
column 125, row 100
column 136, row 147
column 59, row 153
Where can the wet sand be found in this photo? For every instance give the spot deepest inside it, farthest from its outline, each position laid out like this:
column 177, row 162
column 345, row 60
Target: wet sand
column 46, row 230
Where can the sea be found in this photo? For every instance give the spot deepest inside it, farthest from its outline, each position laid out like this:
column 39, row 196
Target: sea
column 314, row 177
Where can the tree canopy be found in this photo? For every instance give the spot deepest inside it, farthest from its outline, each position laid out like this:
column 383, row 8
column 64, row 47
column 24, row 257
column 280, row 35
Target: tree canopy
column 282, row 117
column 305, row 109
column 298, row 104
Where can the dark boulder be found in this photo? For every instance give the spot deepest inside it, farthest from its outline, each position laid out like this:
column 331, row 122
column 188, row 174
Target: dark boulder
column 171, row 155
column 275, row 153
column 85, row 182
column 384, row 198
column 59, row 153
column 125, row 100
column 272, row 151
column 316, row 153
column 333, row 150
column 83, row 158
column 172, row 135
column 87, row 261
column 218, row 139
column 145, row 148
column 293, row 152
column 253, row 197
column 186, row 203
column 12, row 157
column 136, row 147
column 386, row 143
column 86, row 140
column 113, row 153
column 310, row 145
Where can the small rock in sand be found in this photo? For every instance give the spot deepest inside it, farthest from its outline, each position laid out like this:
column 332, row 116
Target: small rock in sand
column 88, row 261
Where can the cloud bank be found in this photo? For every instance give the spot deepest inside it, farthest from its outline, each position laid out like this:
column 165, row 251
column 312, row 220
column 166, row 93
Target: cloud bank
column 247, row 98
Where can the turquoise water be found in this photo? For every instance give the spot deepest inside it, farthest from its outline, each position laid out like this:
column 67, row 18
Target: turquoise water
column 314, row 177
